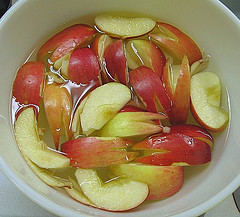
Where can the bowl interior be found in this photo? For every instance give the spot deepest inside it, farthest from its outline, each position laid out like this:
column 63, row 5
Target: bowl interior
column 209, row 23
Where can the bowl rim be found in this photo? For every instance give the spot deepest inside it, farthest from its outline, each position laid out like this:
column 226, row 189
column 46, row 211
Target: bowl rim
column 59, row 210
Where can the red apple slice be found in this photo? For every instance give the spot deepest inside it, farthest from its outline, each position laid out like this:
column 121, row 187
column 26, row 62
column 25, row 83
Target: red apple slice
column 66, row 41
column 181, row 96
column 90, row 152
column 58, row 108
column 206, row 100
column 126, row 124
column 173, row 150
column 117, row 195
column 162, row 181
column 176, row 42
column 116, row 62
column 149, row 88
column 122, row 27
column 143, row 52
column 83, row 66
column 27, row 86
column 193, row 131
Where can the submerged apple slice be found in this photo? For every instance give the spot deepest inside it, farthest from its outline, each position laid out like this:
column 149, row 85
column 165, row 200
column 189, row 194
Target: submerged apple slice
column 122, row 27
column 206, row 100
column 29, row 143
column 102, row 104
column 117, row 195
column 162, row 181
column 126, row 124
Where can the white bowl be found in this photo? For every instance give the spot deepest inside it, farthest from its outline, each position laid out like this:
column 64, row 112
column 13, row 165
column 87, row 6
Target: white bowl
column 215, row 29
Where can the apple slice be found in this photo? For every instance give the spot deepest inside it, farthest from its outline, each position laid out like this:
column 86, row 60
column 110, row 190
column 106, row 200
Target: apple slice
column 27, row 86
column 131, row 108
column 66, row 41
column 181, row 96
column 99, row 45
column 143, row 52
column 126, row 124
column 150, row 90
column 206, row 100
column 117, row 195
column 193, row 131
column 173, row 150
column 90, row 152
column 47, row 176
column 176, row 43
column 58, row 108
column 76, row 193
column 36, row 150
column 199, row 65
column 116, row 62
column 162, row 181
column 103, row 103
column 122, row 27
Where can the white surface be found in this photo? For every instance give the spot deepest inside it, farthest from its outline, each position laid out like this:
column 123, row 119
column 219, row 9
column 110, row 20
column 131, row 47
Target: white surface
column 25, row 172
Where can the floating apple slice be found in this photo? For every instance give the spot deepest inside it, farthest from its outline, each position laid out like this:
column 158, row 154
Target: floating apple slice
column 27, row 86
column 162, row 181
column 149, row 88
column 176, row 43
column 122, row 27
column 76, row 193
column 205, row 101
column 173, row 150
column 181, row 96
column 116, row 62
column 36, row 150
column 58, row 108
column 199, row 65
column 193, row 131
column 99, row 45
column 131, row 108
column 90, row 152
column 143, row 52
column 66, row 41
column 103, row 103
column 117, row 195
column 126, row 124
column 47, row 176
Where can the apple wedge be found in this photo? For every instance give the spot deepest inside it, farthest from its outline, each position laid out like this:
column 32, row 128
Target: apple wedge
column 127, row 124
column 193, row 131
column 206, row 101
column 66, row 41
column 132, row 108
column 148, row 86
column 91, row 152
column 76, row 193
column 173, row 150
column 103, row 103
column 36, row 150
column 163, row 181
column 117, row 195
column 28, row 84
column 47, row 176
column 143, row 52
column 176, row 43
column 122, row 27
column 116, row 62
column 58, row 108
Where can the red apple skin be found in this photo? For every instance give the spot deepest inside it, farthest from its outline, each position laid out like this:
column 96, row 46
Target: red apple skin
column 182, row 45
column 193, row 131
column 149, row 88
column 83, row 66
column 116, row 62
column 27, row 86
column 181, row 97
column 91, row 152
column 66, row 41
column 174, row 149
column 58, row 108
column 131, row 108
